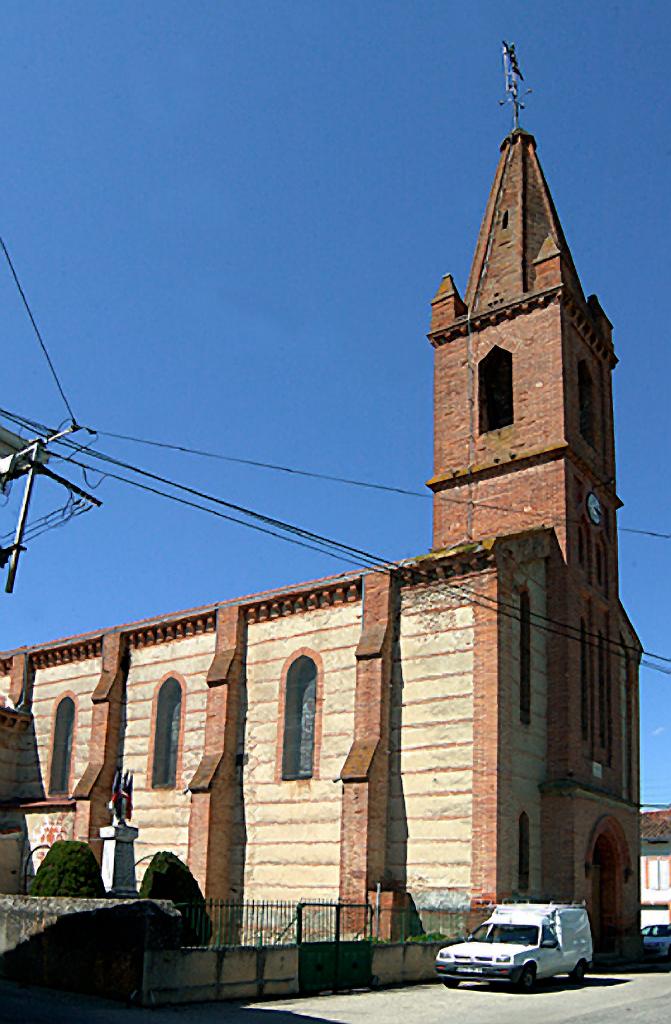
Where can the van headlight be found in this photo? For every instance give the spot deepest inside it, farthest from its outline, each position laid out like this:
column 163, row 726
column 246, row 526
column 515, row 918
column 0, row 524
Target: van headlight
column 503, row 959
column 444, row 954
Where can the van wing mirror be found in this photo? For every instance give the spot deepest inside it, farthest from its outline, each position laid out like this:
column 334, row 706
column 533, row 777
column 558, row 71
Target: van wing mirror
column 549, row 944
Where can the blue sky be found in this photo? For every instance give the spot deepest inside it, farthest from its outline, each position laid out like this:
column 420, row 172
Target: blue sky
column 230, row 219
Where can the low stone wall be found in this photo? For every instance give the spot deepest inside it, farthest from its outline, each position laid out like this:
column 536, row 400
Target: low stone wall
column 404, row 963
column 92, row 946
column 204, row 975
column 129, row 949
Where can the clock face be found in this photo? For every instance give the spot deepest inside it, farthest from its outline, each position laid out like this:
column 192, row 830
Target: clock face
column 594, row 509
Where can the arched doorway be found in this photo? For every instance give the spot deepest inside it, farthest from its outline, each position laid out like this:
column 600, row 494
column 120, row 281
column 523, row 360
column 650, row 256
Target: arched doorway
column 604, row 894
column 608, row 859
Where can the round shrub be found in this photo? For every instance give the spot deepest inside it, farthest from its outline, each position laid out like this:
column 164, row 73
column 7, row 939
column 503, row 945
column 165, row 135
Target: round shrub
column 168, row 878
column 69, row 869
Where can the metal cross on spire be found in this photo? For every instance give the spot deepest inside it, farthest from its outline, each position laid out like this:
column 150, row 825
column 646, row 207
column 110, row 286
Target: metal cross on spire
column 513, row 76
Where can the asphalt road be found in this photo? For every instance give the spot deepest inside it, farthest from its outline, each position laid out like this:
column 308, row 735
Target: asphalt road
column 627, row 998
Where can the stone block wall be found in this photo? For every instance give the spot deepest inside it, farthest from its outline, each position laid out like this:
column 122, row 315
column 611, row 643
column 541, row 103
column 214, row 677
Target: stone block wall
column 432, row 746
column 292, row 845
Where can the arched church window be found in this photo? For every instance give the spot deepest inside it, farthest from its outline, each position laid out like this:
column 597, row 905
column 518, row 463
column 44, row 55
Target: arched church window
column 584, row 682
column 61, row 751
column 166, row 734
column 523, row 852
column 601, row 669
column 525, row 658
column 606, row 579
column 599, row 563
column 300, row 701
column 495, row 390
column 586, row 402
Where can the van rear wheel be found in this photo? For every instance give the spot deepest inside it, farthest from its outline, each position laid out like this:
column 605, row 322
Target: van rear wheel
column 577, row 975
column 527, row 978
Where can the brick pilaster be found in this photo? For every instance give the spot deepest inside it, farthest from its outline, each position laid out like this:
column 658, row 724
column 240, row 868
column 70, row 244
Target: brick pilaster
column 93, row 790
column 21, row 680
column 365, row 774
column 487, row 741
column 211, row 821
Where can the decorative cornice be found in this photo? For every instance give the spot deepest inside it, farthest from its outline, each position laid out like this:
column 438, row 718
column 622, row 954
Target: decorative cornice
column 583, row 323
column 81, row 650
column 176, row 629
column 271, row 605
column 11, row 719
column 573, row 788
column 294, row 603
column 465, row 474
column 507, row 311
column 448, row 563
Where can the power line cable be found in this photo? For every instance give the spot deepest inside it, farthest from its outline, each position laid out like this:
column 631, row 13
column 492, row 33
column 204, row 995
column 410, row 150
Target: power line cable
column 337, row 553
column 252, row 513
column 372, row 561
column 368, row 484
column 37, row 330
column 616, row 645
column 52, row 520
column 296, row 471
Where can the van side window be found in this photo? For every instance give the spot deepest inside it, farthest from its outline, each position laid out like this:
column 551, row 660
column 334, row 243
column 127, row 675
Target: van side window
column 549, row 934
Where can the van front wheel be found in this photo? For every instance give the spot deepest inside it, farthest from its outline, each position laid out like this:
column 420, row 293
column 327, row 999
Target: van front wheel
column 527, row 978
column 577, row 975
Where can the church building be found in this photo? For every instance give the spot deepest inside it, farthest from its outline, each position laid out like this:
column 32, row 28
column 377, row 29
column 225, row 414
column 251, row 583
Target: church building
column 459, row 728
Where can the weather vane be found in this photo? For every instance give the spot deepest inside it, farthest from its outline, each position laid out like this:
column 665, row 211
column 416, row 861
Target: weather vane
column 513, row 76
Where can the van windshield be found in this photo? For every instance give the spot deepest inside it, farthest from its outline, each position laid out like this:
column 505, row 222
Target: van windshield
column 518, row 934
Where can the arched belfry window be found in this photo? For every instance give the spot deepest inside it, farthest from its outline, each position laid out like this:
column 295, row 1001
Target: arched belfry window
column 584, row 682
column 61, row 751
column 166, row 734
column 300, row 700
column 495, row 390
column 525, row 658
column 586, row 402
column 523, row 852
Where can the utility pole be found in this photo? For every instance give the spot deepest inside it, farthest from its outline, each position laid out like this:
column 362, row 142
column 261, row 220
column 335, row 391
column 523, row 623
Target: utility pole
column 22, row 458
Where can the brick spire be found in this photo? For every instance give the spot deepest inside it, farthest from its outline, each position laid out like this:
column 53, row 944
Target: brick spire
column 521, row 246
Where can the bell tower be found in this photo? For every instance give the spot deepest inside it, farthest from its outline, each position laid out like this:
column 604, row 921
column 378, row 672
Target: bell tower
column 523, row 415
column 524, row 444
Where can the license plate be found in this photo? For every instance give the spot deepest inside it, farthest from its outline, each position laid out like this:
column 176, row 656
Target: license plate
column 471, row 970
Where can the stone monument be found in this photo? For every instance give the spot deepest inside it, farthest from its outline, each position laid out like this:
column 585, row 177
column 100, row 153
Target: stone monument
column 118, row 866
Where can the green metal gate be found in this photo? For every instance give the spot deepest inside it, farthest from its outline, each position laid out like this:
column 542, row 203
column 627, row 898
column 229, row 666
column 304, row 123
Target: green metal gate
column 334, row 946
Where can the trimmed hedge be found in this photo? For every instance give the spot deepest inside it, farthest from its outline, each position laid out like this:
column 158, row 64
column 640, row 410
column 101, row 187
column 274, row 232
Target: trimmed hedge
column 69, row 869
column 168, row 878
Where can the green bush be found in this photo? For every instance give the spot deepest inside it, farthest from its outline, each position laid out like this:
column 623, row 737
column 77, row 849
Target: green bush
column 69, row 869
column 168, row 878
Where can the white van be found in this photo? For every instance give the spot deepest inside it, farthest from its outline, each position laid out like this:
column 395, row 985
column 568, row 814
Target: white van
column 519, row 943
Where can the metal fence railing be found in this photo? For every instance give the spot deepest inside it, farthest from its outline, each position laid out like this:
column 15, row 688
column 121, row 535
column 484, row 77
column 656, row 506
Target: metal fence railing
column 421, row 924
column 221, row 923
